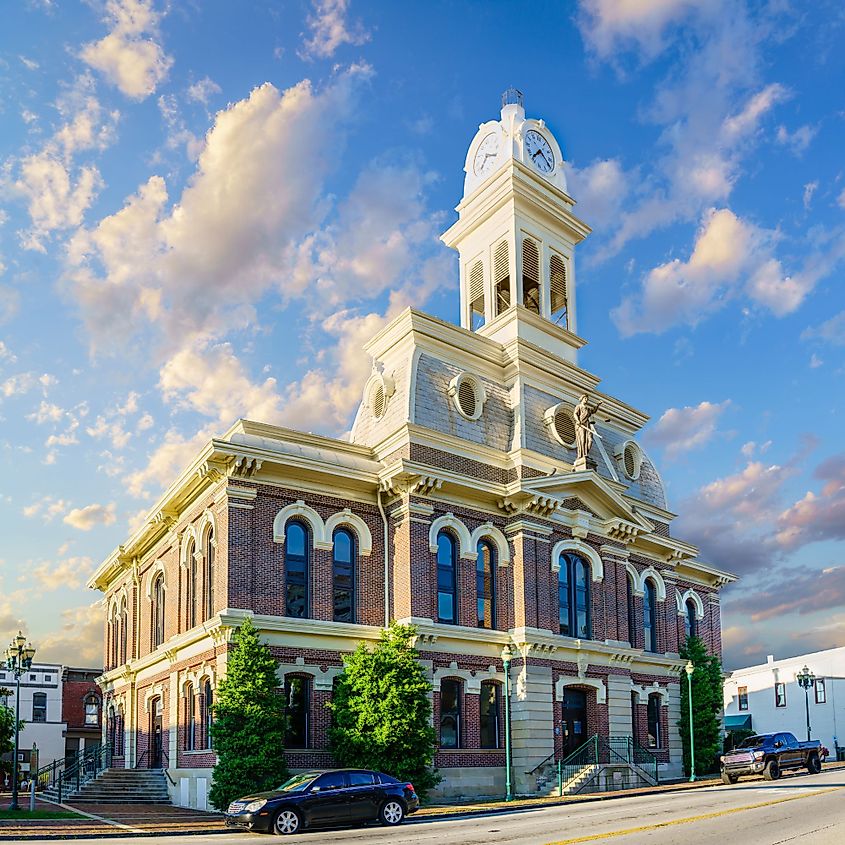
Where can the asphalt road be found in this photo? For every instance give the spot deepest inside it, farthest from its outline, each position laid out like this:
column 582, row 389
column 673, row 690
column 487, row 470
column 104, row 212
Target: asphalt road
column 797, row 808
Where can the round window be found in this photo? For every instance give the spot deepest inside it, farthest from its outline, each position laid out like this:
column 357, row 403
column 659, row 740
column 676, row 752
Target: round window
column 466, row 398
column 632, row 459
column 561, row 423
column 378, row 400
column 468, row 394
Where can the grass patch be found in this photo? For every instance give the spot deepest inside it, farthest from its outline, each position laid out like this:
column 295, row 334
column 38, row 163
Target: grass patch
column 38, row 814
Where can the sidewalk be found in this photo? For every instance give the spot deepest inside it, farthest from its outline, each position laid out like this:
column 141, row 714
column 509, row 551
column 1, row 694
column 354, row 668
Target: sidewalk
column 113, row 821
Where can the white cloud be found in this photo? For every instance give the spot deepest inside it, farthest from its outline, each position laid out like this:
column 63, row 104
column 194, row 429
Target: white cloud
column 79, row 639
column 29, row 64
column 69, row 573
column 6, row 354
column 47, row 412
column 202, row 91
column 809, row 189
column 128, row 56
column 91, row 515
column 47, row 508
column 22, row 383
column 797, row 141
column 601, row 188
column 681, row 430
column 815, row 361
column 747, row 120
column 330, row 28
column 169, row 458
column 831, row 331
column 113, row 431
column 840, row 200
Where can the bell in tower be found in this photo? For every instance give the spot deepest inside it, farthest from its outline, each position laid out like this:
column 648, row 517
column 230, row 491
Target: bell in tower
column 516, row 234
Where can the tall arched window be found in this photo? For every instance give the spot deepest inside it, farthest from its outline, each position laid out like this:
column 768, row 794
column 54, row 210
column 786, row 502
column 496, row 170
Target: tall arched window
column 488, row 712
column 501, row 278
column 157, row 611
column 649, row 616
column 190, row 719
column 297, row 701
column 485, row 583
column 208, row 714
column 450, row 714
column 124, row 631
column 297, row 545
column 447, row 565
column 92, row 711
column 632, row 613
column 530, row 275
column 690, row 619
column 343, row 575
column 654, row 721
column 210, row 573
column 192, row 596
column 114, row 635
column 573, row 589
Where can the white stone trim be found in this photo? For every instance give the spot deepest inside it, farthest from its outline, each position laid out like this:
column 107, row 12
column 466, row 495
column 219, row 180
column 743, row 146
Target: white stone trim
column 158, row 566
column 358, row 526
column 472, row 682
column 635, row 577
column 189, row 535
column 573, row 680
column 479, row 391
column 583, row 549
column 654, row 689
column 696, row 600
column 156, row 691
column 206, row 522
column 659, row 583
column 466, row 549
column 303, row 511
column 488, row 531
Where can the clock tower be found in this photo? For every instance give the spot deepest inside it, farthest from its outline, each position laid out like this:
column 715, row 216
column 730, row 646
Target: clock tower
column 516, row 235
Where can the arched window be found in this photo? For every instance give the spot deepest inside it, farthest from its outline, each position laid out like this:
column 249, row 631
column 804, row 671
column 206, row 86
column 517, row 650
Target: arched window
column 501, row 278
column 192, row 597
column 343, row 575
column 111, row 728
column 573, row 589
column 297, row 545
column 488, row 711
column 190, row 719
column 297, row 701
column 557, row 290
column 476, row 295
column 210, row 573
column 450, row 714
column 690, row 619
column 157, row 611
column 39, row 707
column 530, row 275
column 485, row 584
column 92, row 711
column 113, row 637
column 632, row 613
column 649, row 616
column 124, row 631
column 654, row 721
column 447, row 561
column 208, row 714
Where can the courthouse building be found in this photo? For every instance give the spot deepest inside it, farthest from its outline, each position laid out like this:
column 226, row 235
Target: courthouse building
column 460, row 504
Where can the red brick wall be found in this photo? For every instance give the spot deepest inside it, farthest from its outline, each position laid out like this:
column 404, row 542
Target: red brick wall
column 74, row 694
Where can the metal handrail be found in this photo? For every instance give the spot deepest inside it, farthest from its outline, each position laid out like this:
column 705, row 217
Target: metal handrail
column 541, row 763
column 84, row 769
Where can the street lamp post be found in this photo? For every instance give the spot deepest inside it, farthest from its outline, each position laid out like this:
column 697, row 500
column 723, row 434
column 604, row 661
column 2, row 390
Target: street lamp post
column 806, row 679
column 689, row 670
column 506, row 664
column 19, row 656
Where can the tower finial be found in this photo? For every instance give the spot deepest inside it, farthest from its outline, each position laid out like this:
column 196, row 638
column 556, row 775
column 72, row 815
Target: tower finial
column 512, row 97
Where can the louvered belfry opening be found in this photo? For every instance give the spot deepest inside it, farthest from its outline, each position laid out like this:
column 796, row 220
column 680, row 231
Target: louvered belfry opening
column 530, row 275
column 476, row 295
column 501, row 278
column 557, row 285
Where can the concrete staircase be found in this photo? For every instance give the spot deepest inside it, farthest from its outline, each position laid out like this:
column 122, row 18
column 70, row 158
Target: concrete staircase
column 118, row 786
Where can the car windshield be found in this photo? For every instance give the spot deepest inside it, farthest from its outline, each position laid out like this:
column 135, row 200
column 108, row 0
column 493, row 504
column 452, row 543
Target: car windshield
column 753, row 742
column 298, row 782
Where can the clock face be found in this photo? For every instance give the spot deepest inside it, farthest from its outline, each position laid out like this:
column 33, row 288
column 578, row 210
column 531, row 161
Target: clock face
column 485, row 155
column 539, row 152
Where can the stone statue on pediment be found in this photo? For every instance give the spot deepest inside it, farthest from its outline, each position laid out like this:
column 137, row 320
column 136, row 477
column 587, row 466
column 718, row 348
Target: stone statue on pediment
column 584, row 429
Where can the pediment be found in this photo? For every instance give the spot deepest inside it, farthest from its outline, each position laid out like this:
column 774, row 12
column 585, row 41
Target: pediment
column 594, row 492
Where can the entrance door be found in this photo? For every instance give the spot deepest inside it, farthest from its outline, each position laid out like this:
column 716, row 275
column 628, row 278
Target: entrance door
column 574, row 720
column 155, row 730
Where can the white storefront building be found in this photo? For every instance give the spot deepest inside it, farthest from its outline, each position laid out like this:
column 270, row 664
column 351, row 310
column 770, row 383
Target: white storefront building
column 768, row 698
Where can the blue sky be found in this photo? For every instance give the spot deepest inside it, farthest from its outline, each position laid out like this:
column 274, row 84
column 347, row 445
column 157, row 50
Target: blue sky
column 207, row 207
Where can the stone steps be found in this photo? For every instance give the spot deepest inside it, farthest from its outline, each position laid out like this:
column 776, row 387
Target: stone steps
column 119, row 786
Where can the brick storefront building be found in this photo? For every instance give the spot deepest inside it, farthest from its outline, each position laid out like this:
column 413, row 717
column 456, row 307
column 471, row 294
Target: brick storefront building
column 459, row 504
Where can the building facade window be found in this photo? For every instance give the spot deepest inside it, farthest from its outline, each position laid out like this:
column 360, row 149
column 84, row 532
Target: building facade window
column 690, row 619
column 210, row 573
column 447, row 565
column 488, row 714
column 742, row 697
column 39, row 707
column 208, row 714
column 821, row 692
column 297, row 548
column 485, row 584
column 780, row 694
column 573, row 590
column 157, row 611
column 450, row 714
column 92, row 711
column 632, row 611
column 297, row 706
column 193, row 585
column 190, row 719
column 650, row 616
column 343, row 576
column 124, row 631
column 654, row 721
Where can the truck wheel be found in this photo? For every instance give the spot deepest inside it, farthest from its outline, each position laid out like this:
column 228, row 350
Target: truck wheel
column 729, row 779
column 814, row 765
column 772, row 770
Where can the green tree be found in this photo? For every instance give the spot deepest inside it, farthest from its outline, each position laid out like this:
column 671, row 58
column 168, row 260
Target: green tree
column 707, row 704
column 248, row 730
column 381, row 712
column 7, row 728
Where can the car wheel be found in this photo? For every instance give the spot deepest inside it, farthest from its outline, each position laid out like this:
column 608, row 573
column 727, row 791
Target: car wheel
column 814, row 765
column 772, row 770
column 729, row 779
column 286, row 823
column 391, row 813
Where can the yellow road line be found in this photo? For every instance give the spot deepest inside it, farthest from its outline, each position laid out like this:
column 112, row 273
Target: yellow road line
column 714, row 815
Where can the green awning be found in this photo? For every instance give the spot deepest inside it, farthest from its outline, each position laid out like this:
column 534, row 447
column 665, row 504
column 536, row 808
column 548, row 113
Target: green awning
column 735, row 723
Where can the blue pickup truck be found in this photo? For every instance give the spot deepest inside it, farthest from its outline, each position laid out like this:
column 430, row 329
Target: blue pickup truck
column 769, row 755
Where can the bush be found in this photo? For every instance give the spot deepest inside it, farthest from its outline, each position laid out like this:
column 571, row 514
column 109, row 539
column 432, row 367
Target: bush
column 707, row 704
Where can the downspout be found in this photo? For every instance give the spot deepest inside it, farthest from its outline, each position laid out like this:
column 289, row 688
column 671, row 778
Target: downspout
column 386, row 558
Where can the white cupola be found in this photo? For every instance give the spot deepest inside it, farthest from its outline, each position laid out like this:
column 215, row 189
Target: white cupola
column 516, row 234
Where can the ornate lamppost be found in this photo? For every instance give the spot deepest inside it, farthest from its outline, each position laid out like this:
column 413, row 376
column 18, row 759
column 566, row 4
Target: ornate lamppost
column 19, row 656
column 689, row 668
column 507, row 652
column 806, row 679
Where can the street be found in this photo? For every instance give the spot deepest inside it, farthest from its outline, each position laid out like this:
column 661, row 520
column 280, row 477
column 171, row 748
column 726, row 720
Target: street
column 755, row 812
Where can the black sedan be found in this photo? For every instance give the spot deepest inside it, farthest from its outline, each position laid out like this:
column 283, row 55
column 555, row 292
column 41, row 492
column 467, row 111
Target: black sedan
column 313, row 799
